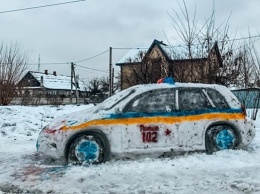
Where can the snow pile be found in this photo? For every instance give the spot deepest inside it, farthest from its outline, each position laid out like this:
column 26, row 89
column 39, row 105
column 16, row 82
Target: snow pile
column 230, row 171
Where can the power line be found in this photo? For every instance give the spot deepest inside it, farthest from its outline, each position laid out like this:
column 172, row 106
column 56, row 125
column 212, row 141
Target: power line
column 242, row 38
column 55, row 63
column 245, row 44
column 51, row 63
column 41, row 6
column 91, row 57
column 98, row 73
column 235, row 39
column 130, row 48
column 33, row 64
column 91, row 68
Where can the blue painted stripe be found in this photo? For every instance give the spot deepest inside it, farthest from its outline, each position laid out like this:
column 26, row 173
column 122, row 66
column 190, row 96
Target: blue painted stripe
column 172, row 114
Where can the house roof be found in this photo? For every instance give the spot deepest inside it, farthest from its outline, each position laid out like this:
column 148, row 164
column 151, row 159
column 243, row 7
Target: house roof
column 131, row 54
column 62, row 82
column 170, row 52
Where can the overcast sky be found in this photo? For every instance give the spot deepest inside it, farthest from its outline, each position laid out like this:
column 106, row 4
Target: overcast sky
column 77, row 31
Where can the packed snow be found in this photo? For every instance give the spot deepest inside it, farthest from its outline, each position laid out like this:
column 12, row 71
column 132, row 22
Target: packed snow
column 22, row 171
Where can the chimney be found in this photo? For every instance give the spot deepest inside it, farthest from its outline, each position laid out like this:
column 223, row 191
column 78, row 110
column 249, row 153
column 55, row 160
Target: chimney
column 46, row 72
column 54, row 73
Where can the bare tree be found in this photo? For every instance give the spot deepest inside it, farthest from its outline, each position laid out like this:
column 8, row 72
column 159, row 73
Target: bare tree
column 241, row 67
column 248, row 79
column 13, row 64
column 209, row 55
column 198, row 41
column 117, row 82
column 188, row 31
column 104, row 84
column 94, row 86
column 142, row 69
column 237, row 65
column 194, row 62
column 98, row 88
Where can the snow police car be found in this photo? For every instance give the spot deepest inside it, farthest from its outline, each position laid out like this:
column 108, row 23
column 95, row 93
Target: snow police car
column 150, row 119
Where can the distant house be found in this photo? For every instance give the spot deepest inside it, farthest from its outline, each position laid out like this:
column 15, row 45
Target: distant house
column 167, row 61
column 50, row 86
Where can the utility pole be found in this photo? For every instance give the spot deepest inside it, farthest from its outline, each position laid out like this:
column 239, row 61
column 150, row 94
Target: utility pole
column 73, row 76
column 110, row 72
column 76, row 86
column 39, row 59
column 71, row 79
column 112, row 81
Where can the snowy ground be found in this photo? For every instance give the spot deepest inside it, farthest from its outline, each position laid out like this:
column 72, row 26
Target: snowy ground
column 231, row 171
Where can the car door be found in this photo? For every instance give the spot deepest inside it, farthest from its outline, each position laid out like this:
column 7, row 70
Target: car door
column 194, row 107
column 150, row 125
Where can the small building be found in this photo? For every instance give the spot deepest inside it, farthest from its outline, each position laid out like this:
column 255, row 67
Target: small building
column 45, row 87
column 148, row 65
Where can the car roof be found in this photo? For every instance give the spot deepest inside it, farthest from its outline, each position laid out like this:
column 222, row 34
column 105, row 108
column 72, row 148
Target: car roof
column 176, row 85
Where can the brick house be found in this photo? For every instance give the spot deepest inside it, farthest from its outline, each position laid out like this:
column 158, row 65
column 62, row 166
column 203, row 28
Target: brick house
column 160, row 60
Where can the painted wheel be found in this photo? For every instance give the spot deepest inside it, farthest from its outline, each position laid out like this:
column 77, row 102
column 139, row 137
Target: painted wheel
column 221, row 137
column 90, row 148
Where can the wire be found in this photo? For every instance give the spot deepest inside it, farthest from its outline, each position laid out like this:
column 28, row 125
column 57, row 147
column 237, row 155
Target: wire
column 130, row 48
column 54, row 63
column 98, row 73
column 243, row 38
column 235, row 39
column 41, row 6
column 91, row 68
column 92, row 57
column 51, row 63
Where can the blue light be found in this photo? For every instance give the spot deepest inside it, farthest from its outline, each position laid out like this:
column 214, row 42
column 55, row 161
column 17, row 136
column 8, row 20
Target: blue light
column 169, row 80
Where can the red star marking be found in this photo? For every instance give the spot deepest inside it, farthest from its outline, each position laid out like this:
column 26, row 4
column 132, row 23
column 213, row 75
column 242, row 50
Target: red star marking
column 167, row 132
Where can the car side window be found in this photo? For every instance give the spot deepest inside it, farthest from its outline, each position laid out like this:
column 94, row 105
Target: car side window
column 217, row 98
column 160, row 100
column 193, row 99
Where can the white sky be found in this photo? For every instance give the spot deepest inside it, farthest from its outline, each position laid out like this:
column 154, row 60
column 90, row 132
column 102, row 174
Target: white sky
column 81, row 30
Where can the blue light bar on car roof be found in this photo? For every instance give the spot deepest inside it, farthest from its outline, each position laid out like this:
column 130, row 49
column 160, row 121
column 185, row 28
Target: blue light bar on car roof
column 169, row 80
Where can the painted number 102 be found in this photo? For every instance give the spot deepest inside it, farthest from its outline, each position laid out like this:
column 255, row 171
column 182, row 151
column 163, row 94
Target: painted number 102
column 149, row 137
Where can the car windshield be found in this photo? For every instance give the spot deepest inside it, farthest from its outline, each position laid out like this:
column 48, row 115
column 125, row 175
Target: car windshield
column 115, row 99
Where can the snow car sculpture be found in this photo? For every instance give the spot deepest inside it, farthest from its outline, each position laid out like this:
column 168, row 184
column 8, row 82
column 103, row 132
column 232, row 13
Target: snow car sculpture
column 150, row 120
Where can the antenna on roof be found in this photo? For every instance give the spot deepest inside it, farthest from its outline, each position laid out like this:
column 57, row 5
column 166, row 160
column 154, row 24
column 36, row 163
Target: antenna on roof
column 39, row 59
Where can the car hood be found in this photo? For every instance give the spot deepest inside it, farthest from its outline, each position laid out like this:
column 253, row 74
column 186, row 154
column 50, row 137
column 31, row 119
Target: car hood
column 77, row 118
